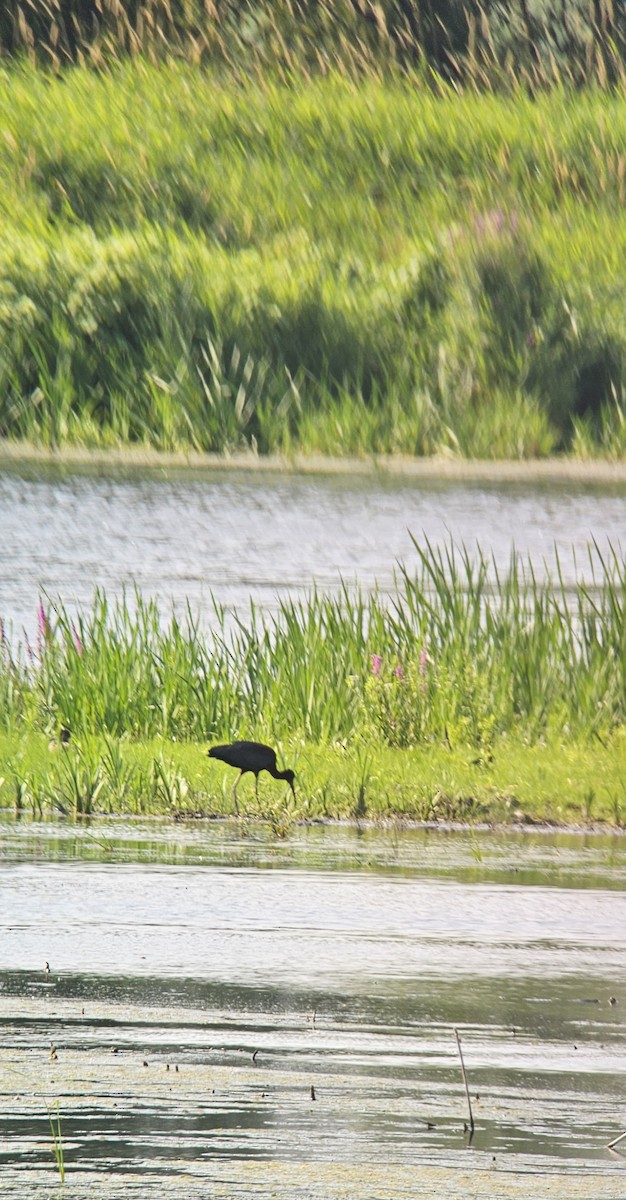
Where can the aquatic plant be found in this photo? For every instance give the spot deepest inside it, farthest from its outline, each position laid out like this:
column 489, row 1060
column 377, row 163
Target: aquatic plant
column 57, row 1141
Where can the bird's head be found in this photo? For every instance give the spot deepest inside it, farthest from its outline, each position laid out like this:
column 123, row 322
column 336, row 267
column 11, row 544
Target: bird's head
column 290, row 776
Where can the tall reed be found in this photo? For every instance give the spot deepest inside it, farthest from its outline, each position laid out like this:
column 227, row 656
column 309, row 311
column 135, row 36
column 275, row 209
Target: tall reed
column 460, row 653
column 500, row 44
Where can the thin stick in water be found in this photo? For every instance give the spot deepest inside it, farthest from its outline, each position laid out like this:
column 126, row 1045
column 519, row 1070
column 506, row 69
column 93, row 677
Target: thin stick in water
column 616, row 1140
column 469, row 1103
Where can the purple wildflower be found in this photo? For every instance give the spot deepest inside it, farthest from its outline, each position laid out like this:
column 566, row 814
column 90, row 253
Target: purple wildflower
column 377, row 663
column 43, row 629
column 424, row 660
column 77, row 642
column 400, row 671
column 495, row 223
column 42, row 620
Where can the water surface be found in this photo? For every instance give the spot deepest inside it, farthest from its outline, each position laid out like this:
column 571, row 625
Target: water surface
column 198, row 981
column 186, row 537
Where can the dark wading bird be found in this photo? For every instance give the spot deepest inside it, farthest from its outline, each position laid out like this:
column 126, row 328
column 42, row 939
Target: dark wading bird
column 254, row 757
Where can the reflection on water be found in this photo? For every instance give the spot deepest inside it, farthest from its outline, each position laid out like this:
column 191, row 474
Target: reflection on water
column 551, row 858
column 195, row 996
column 187, row 537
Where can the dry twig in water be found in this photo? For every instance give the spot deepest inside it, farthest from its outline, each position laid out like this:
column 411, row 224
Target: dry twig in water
column 469, row 1103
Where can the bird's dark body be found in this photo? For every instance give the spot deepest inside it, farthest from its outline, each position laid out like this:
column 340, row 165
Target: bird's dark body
column 247, row 756
column 251, row 757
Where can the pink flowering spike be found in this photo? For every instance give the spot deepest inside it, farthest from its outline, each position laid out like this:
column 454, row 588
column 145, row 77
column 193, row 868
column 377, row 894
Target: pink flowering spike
column 400, row 671
column 42, row 620
column 424, row 660
column 377, row 663
column 77, row 642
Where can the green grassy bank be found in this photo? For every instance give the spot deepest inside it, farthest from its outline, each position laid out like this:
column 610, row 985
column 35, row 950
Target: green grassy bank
column 562, row 782
column 345, row 267
column 466, row 694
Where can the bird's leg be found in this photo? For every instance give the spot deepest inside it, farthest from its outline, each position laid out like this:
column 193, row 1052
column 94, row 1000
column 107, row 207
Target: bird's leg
column 256, row 787
column 235, row 793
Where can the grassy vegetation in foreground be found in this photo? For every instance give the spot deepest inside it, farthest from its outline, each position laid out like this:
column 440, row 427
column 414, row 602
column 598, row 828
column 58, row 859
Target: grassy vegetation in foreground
column 569, row 783
column 346, row 267
column 465, row 693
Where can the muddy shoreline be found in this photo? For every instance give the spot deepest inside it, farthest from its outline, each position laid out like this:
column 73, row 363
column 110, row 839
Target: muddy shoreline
column 549, row 470
column 529, row 825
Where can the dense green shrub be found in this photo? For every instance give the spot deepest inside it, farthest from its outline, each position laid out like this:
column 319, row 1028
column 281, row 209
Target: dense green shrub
column 324, row 268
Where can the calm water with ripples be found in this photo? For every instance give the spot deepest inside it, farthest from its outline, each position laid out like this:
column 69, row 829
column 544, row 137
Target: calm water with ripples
column 187, row 537
column 196, row 982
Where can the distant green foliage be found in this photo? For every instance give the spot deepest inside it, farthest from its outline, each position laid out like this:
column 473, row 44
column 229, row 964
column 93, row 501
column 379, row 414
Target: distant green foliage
column 343, row 268
column 339, row 269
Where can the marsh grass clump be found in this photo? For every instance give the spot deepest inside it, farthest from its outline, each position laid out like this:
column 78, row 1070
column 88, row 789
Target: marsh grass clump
column 80, row 780
column 462, row 655
column 405, row 706
column 54, row 1117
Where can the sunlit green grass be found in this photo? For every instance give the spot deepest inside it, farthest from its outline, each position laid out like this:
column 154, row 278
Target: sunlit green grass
column 341, row 267
column 467, row 691
column 566, row 782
